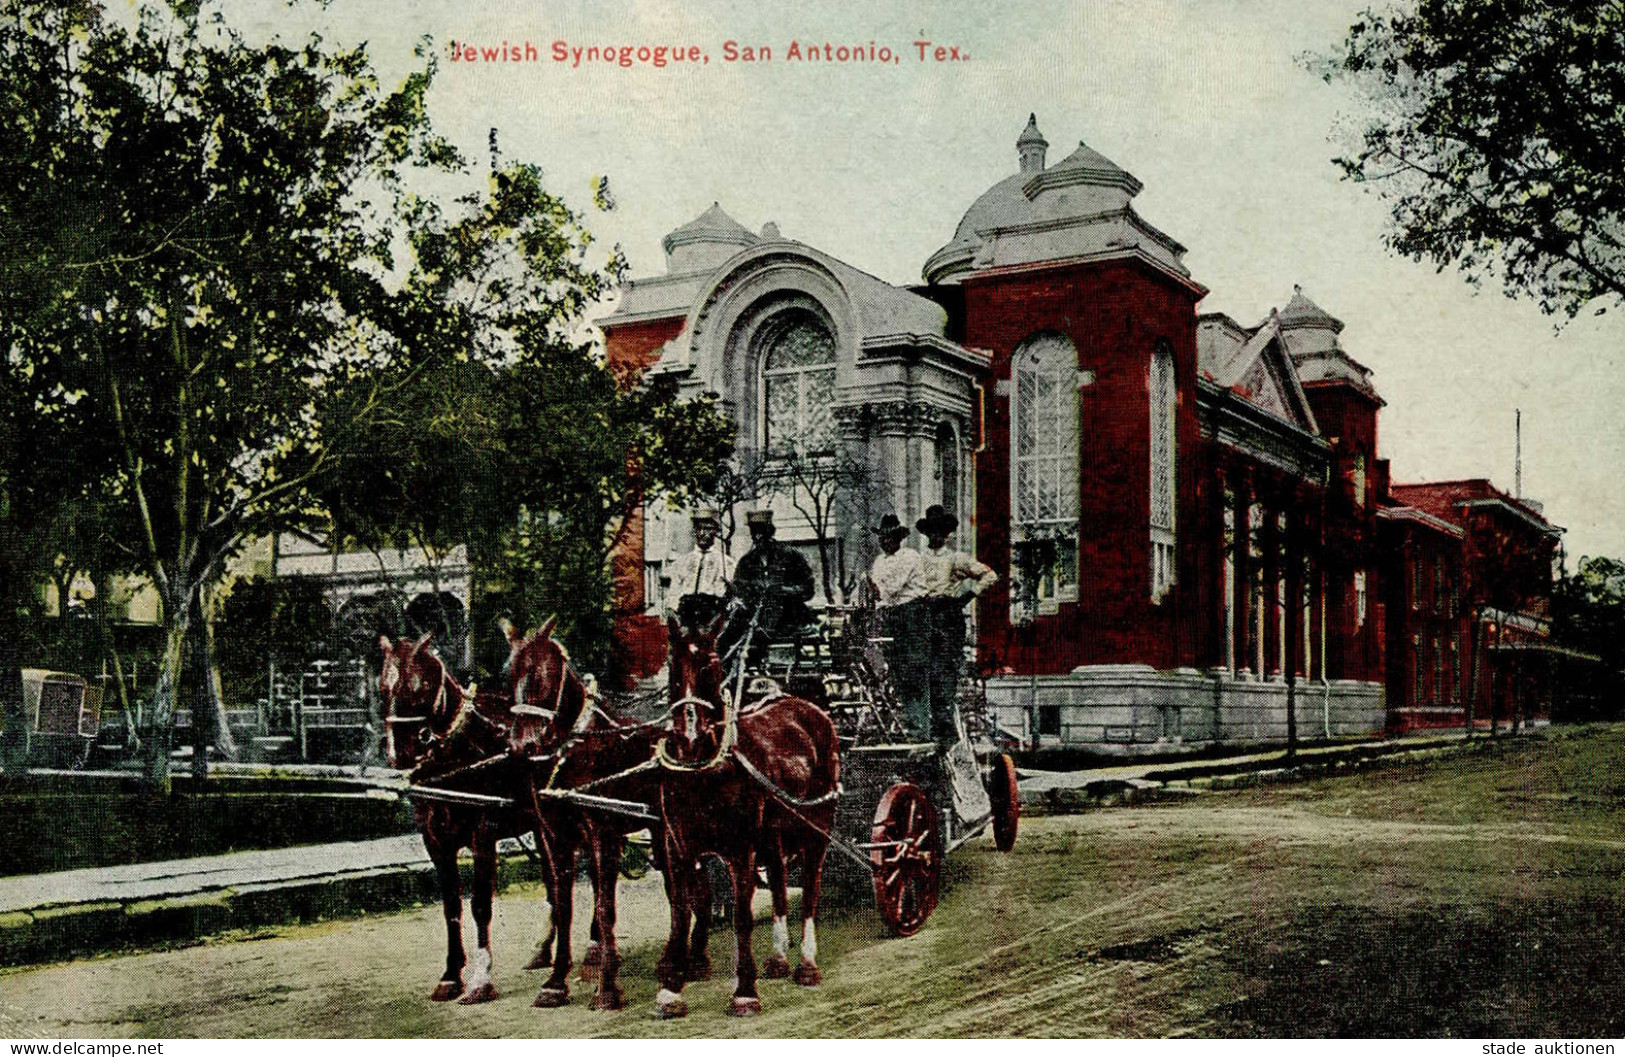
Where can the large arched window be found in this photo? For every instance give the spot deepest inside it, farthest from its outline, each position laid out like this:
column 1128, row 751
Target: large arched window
column 1044, row 463
column 797, row 385
column 1163, row 409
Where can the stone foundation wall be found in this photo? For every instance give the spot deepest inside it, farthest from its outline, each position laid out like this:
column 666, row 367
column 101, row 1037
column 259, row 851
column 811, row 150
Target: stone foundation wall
column 1132, row 708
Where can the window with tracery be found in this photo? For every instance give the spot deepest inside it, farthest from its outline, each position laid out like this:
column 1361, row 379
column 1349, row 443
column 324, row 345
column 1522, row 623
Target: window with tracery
column 1163, row 409
column 1044, row 461
column 798, row 386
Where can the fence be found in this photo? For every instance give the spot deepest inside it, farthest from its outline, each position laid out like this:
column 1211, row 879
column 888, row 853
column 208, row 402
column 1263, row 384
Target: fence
column 323, row 714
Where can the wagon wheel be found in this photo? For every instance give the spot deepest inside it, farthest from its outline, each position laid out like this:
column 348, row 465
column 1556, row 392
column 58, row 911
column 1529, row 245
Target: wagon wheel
column 906, row 858
column 1002, row 791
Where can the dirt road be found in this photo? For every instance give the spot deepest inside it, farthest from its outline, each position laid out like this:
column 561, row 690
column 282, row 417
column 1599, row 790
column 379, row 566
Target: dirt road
column 1478, row 895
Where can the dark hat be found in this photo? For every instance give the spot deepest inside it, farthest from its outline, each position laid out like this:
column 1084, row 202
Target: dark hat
column 891, row 526
column 756, row 518
column 936, row 520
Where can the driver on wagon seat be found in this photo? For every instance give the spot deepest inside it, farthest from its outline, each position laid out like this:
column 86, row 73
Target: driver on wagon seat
column 773, row 582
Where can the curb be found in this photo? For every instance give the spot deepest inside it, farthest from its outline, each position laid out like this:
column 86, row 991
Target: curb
column 1178, row 783
column 57, row 933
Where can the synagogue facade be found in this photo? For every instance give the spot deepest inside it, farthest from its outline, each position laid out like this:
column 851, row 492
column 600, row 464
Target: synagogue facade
column 1188, row 514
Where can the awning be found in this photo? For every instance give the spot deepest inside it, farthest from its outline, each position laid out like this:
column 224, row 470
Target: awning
column 1547, row 648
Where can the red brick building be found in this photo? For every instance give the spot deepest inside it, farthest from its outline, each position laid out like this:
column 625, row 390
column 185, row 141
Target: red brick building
column 1477, row 635
column 1219, row 534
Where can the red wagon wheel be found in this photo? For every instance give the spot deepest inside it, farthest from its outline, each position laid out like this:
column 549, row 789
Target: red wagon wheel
column 1001, row 789
column 906, row 857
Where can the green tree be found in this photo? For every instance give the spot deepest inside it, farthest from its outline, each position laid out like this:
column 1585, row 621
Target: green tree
column 210, row 222
column 511, row 434
column 1493, row 129
column 1588, row 614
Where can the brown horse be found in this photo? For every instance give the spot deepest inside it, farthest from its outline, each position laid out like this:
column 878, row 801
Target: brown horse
column 573, row 742
column 712, row 803
column 434, row 727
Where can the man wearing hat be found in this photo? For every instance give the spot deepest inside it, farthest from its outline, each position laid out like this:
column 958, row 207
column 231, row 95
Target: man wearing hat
column 772, row 581
column 701, row 578
column 950, row 580
column 898, row 586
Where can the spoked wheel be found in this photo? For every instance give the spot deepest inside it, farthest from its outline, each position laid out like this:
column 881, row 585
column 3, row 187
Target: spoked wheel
column 1006, row 798
column 906, row 857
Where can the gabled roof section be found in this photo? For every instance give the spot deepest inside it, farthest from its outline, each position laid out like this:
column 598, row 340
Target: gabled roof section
column 1254, row 365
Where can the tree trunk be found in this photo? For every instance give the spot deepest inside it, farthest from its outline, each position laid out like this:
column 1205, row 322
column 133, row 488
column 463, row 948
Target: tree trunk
column 14, row 740
column 224, row 743
column 1472, row 672
column 197, row 679
column 161, row 732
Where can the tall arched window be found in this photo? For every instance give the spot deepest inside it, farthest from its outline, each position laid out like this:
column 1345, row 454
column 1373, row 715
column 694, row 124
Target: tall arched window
column 798, row 385
column 948, row 467
column 1163, row 409
column 1044, row 462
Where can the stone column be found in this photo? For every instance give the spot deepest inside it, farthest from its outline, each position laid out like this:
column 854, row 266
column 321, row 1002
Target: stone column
column 1271, row 600
column 1241, row 549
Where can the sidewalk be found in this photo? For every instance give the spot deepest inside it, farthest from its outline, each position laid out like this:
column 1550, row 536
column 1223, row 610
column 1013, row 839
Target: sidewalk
column 47, row 917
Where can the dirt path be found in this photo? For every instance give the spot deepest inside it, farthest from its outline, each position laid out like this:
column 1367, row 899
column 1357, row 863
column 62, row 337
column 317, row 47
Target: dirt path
column 1474, row 896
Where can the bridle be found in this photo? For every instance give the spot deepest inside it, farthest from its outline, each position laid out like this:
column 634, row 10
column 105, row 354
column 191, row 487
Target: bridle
column 689, row 706
column 567, row 675
column 427, row 736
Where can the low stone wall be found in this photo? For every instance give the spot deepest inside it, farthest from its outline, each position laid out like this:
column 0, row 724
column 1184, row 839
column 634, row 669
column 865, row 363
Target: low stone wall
column 1134, row 709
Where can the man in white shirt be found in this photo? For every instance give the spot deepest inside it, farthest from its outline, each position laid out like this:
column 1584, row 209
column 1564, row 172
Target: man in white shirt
column 950, row 580
column 700, row 579
column 899, row 593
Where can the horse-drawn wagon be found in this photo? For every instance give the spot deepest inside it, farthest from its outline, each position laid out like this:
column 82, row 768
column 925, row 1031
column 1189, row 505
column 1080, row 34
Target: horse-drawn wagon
column 766, row 758
column 905, row 804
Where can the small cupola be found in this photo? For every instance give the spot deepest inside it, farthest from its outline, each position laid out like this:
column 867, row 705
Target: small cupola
column 1030, row 146
column 706, row 241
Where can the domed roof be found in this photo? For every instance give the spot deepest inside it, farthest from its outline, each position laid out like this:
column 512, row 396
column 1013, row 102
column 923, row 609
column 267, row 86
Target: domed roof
column 1030, row 134
column 1077, row 208
column 1301, row 312
column 706, row 241
column 1310, row 334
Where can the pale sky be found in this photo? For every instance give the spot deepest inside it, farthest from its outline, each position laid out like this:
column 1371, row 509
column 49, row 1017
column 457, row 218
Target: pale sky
column 1202, row 101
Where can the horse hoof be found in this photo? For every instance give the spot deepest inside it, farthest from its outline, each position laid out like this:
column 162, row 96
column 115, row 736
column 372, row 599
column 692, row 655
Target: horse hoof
column 609, row 1001
column 552, row 998
column 700, row 970
column 776, row 967
column 669, row 1005
column 807, row 974
column 745, row 1007
column 484, row 992
column 540, row 960
column 446, row 990
column 594, row 956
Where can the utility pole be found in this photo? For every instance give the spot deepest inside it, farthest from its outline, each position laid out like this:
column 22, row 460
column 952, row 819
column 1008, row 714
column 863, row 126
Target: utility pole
column 1517, row 457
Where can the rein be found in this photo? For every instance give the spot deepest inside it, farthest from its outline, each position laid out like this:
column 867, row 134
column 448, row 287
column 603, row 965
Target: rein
column 730, row 721
column 725, row 746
